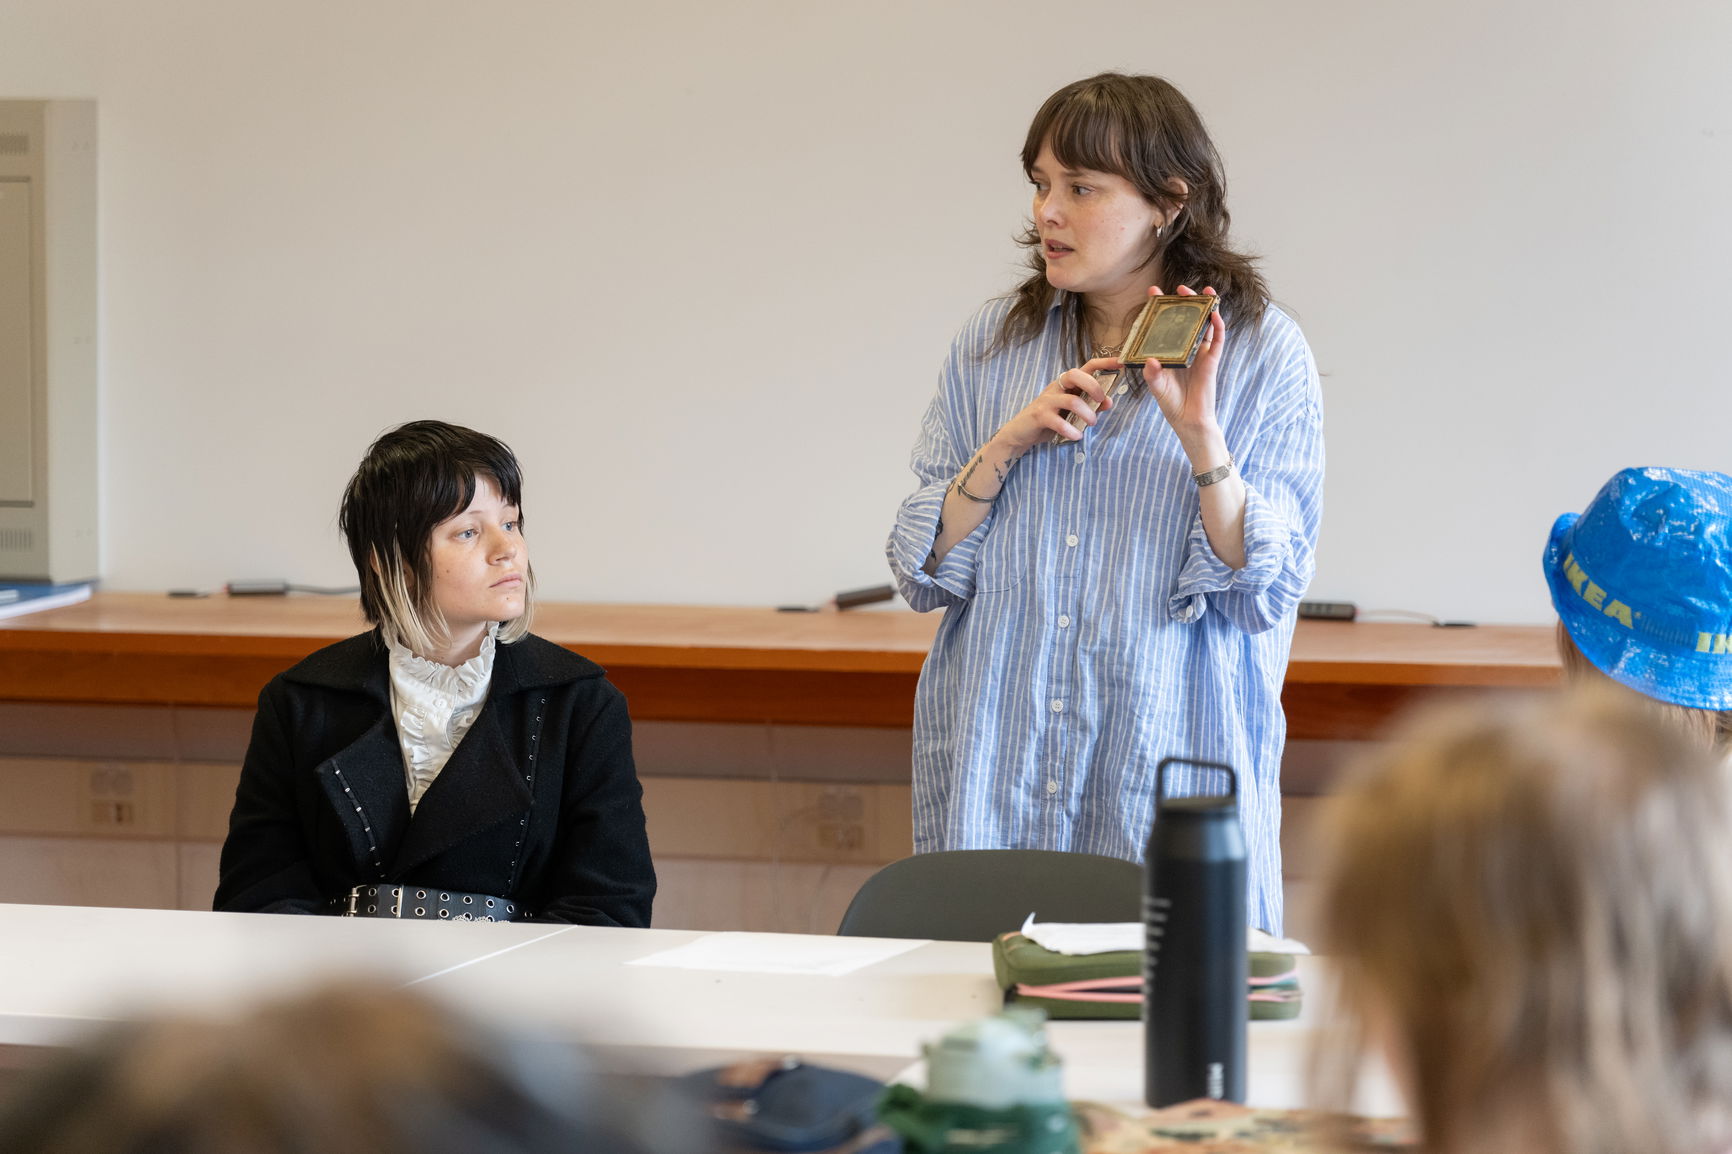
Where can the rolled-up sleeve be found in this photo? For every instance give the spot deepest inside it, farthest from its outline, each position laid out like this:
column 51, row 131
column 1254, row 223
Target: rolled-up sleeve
column 938, row 455
column 1283, row 473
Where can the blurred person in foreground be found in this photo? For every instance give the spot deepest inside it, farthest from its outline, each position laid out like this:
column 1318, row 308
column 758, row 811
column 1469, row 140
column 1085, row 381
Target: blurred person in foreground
column 1532, row 911
column 360, row 1068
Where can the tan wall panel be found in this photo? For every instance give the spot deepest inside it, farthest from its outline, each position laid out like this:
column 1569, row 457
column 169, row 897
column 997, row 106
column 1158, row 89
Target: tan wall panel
column 799, row 821
column 198, row 874
column 895, row 822
column 87, row 731
column 204, row 795
column 88, row 872
column 840, row 753
column 789, row 897
column 212, row 734
column 38, row 795
column 699, row 749
column 117, row 799
column 706, row 817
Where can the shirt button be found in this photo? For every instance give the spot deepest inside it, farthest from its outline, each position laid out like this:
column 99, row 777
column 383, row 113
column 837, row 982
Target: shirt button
column 1064, row 621
column 1120, row 391
column 1051, row 788
column 1057, row 705
column 1082, row 455
column 1071, row 540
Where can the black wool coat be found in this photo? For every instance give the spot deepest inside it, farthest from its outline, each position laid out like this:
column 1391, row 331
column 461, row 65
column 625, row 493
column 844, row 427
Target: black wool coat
column 539, row 802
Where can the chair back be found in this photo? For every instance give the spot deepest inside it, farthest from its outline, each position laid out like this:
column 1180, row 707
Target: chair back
column 973, row 895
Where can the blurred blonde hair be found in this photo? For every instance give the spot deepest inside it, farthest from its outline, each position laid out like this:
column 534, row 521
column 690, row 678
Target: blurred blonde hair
column 1533, row 906
column 356, row 1068
column 1712, row 726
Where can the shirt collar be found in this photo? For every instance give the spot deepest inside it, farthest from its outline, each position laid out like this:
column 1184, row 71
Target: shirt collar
column 465, row 682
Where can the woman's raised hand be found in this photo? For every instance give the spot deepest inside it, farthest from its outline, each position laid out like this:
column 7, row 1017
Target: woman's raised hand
column 1041, row 422
column 1043, row 419
column 1187, row 396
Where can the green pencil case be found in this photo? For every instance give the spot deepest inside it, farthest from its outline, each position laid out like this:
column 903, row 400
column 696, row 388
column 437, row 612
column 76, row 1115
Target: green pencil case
column 1110, row 985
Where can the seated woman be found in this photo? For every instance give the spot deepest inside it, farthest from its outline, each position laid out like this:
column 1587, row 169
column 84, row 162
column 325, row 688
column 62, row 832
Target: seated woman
column 1642, row 582
column 449, row 763
column 1532, row 909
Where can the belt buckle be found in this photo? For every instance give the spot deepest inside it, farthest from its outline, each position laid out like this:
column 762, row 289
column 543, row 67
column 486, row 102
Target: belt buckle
column 395, row 909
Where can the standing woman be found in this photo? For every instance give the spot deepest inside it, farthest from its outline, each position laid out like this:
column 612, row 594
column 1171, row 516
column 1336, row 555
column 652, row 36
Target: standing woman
column 448, row 763
column 1124, row 592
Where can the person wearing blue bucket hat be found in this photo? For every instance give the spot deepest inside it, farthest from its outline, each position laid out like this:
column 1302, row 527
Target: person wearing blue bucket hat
column 1642, row 583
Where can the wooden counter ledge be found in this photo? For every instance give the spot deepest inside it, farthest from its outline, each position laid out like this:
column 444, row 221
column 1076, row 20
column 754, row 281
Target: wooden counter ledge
column 701, row 663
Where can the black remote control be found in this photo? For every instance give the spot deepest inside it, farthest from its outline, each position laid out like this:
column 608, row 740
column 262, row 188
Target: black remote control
column 1328, row 610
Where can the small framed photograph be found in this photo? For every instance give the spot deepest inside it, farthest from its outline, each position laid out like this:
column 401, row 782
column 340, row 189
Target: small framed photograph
column 1169, row 330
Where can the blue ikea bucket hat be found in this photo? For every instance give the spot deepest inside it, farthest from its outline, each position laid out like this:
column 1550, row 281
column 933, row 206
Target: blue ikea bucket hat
column 1642, row 580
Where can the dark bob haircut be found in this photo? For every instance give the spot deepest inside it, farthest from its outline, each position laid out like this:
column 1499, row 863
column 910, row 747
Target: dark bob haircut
column 1143, row 129
column 412, row 479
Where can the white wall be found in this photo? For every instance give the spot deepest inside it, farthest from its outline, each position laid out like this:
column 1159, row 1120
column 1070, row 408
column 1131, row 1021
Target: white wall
column 698, row 262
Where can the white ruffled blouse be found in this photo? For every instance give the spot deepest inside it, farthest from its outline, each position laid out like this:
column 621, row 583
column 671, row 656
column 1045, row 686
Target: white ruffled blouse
column 434, row 706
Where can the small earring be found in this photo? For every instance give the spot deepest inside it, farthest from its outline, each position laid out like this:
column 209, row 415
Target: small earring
column 1159, row 229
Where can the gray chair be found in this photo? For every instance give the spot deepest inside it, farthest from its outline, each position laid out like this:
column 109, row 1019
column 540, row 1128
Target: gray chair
column 973, row 895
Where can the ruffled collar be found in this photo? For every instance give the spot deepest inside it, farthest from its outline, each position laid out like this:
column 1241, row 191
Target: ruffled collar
column 435, row 705
column 462, row 682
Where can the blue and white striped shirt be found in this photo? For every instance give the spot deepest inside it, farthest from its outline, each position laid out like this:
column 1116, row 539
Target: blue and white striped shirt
column 1089, row 629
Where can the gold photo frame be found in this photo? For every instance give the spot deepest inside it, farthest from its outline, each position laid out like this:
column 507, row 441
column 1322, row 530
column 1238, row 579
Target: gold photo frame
column 1169, row 330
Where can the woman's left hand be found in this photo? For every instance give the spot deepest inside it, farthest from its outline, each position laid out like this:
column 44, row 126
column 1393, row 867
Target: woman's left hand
column 1187, row 396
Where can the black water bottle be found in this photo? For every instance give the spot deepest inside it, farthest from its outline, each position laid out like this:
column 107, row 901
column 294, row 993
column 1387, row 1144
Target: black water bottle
column 1194, row 970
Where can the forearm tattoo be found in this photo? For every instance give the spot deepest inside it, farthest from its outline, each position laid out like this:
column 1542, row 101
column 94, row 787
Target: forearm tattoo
column 960, row 485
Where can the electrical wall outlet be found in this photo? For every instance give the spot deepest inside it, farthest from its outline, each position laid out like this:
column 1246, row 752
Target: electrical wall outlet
column 829, row 822
column 125, row 799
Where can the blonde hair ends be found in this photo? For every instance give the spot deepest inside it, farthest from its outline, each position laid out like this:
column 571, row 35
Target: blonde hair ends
column 1532, row 906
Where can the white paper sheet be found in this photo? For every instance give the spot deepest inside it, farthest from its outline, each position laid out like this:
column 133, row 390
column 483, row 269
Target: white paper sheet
column 1084, row 937
column 778, row 954
column 1076, row 938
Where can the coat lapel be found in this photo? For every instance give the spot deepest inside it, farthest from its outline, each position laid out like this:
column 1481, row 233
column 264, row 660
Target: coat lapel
column 477, row 789
column 364, row 784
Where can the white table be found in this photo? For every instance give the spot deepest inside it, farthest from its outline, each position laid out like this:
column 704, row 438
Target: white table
column 64, row 969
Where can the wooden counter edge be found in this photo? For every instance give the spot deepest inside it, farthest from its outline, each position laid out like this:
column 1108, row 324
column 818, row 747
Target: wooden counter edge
column 859, row 674
column 47, row 643
column 291, row 648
